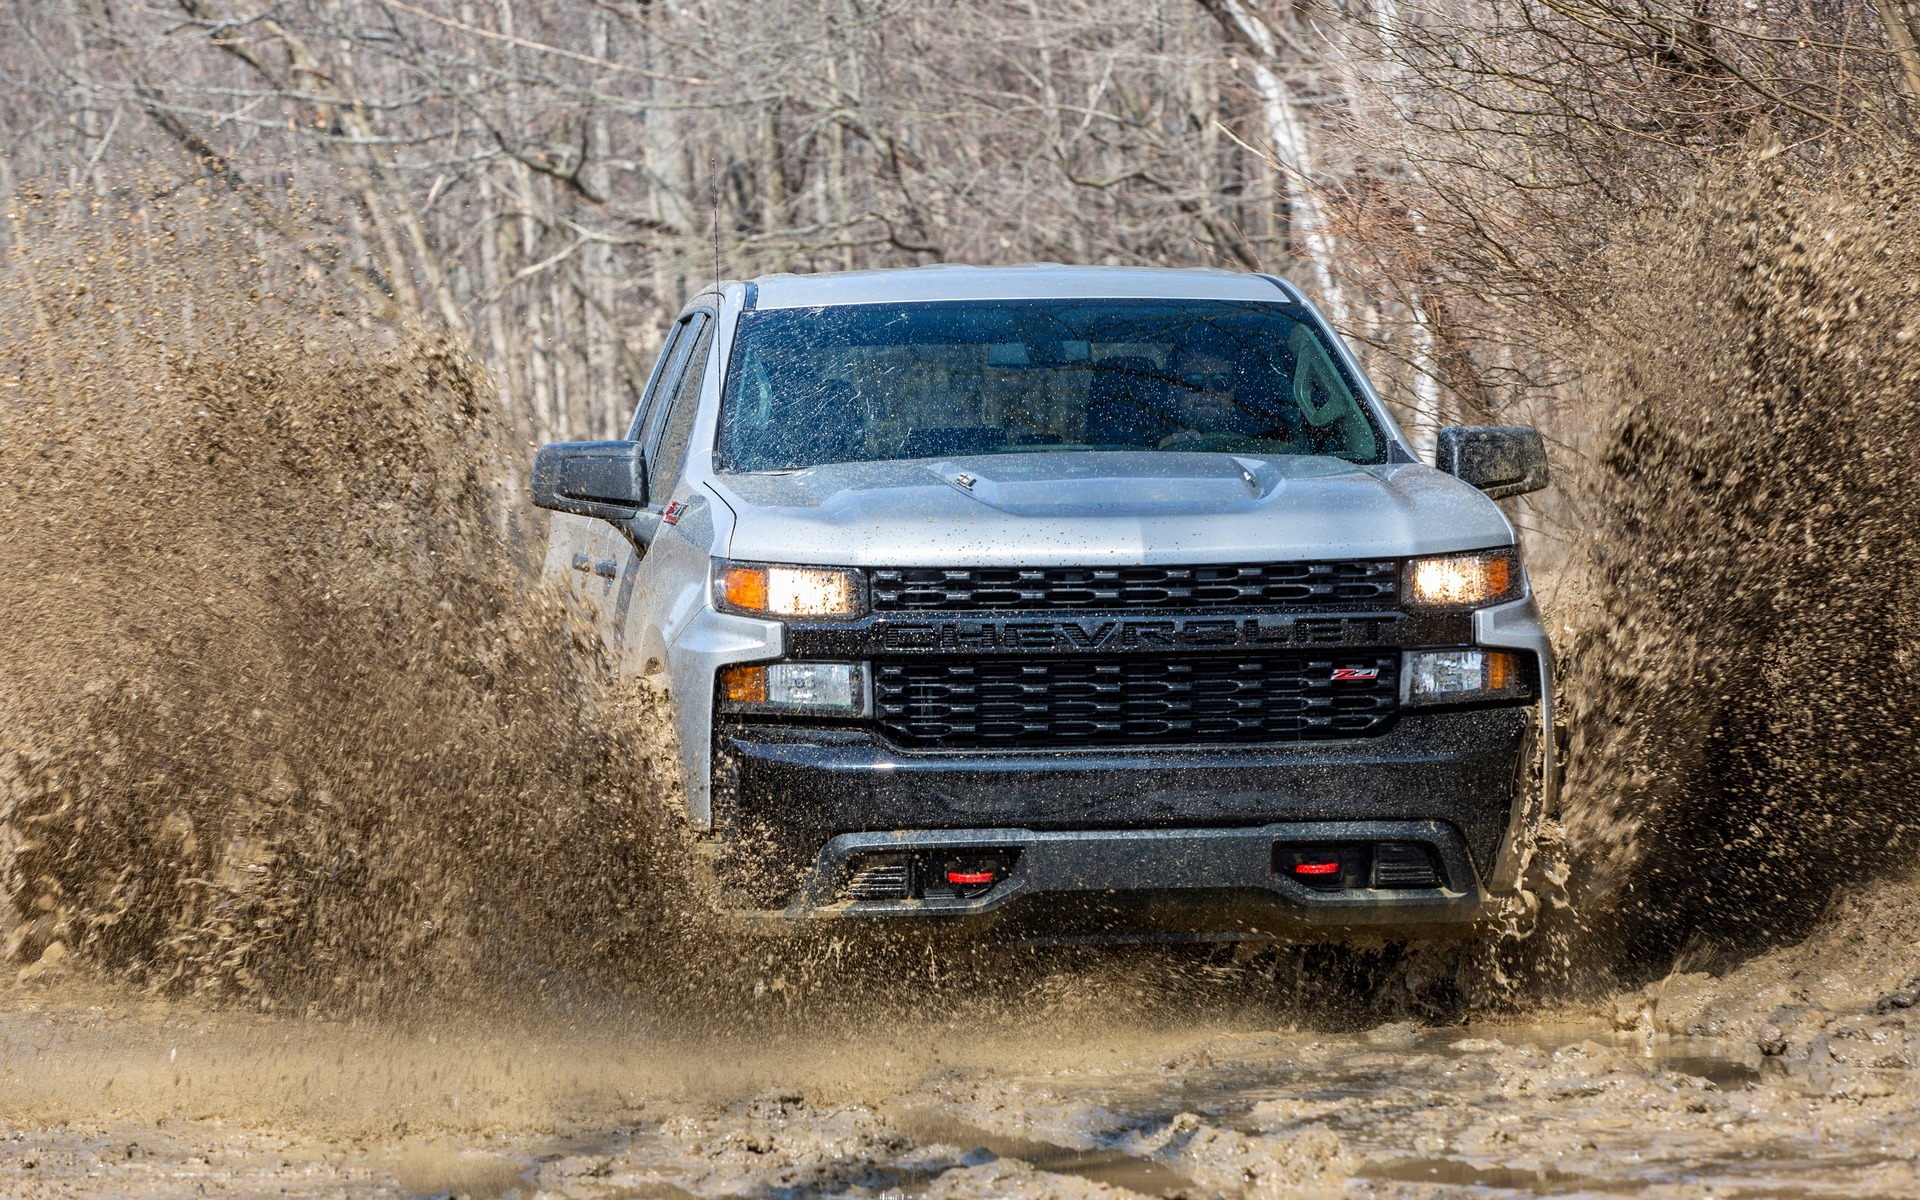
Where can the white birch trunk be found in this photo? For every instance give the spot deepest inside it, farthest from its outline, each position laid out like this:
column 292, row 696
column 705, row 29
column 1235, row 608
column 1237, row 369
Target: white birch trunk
column 1292, row 145
column 1427, row 414
column 1424, row 429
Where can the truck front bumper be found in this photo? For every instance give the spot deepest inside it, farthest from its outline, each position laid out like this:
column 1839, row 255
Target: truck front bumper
column 1156, row 839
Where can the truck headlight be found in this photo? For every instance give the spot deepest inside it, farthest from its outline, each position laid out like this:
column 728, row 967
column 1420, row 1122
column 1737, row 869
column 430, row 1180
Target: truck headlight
column 1463, row 580
column 1465, row 676
column 771, row 590
column 818, row 688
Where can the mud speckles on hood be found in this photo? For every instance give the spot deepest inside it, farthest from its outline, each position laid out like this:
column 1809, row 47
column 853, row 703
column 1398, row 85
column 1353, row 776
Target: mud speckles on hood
column 1094, row 508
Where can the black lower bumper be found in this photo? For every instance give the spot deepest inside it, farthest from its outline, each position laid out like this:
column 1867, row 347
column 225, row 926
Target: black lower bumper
column 1092, row 883
column 1193, row 825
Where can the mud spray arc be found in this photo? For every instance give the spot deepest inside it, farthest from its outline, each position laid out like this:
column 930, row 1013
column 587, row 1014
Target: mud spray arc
column 1740, row 686
column 285, row 722
column 291, row 723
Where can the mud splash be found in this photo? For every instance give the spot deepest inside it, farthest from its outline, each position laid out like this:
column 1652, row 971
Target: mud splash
column 289, row 721
column 1742, row 709
column 285, row 721
column 284, row 717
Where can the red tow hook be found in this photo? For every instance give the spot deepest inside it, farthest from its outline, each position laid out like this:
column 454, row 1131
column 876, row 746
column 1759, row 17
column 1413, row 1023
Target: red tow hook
column 974, row 875
column 1323, row 868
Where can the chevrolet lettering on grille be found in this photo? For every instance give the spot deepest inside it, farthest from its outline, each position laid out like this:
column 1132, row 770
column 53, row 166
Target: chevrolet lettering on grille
column 1111, row 634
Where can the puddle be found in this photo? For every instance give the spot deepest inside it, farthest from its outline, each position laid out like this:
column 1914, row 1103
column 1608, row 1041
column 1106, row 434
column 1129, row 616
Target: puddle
column 1100, row 1165
column 1725, row 1066
column 1463, row 1174
column 429, row 1170
column 1541, row 1110
column 1727, row 1074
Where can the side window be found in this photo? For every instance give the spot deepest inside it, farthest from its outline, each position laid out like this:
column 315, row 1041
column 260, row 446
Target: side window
column 657, row 382
column 671, row 459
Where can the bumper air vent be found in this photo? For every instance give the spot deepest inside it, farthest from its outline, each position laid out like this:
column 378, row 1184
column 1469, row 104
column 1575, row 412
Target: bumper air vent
column 877, row 878
column 1360, row 584
column 1059, row 703
column 1403, row 865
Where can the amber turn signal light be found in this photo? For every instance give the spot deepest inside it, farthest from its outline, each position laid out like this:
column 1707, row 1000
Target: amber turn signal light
column 744, row 685
column 745, row 588
column 1503, row 670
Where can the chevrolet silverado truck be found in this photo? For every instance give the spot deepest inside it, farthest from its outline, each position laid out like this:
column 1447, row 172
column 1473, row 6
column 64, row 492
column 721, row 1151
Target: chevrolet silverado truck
column 1096, row 603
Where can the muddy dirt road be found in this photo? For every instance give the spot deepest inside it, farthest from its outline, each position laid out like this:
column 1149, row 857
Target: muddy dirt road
column 1789, row 1075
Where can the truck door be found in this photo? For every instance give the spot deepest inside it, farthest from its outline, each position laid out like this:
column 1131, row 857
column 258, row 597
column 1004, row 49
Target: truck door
column 580, row 552
column 669, row 459
column 595, row 558
column 631, row 626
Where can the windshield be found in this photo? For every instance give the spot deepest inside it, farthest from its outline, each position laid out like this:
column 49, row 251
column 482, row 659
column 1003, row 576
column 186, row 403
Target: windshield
column 859, row 383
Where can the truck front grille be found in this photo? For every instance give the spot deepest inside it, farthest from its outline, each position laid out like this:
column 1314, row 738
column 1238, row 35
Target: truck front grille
column 1368, row 583
column 1137, row 700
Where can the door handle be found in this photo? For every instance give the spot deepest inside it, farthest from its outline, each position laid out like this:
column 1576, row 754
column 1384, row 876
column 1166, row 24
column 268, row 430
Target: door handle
column 606, row 568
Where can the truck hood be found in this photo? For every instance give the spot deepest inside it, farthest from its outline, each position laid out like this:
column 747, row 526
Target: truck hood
column 1091, row 508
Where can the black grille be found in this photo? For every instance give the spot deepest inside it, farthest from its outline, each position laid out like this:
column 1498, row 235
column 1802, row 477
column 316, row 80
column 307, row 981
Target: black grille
column 1357, row 584
column 1196, row 699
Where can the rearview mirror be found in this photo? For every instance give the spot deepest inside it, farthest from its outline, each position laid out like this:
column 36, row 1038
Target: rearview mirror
column 594, row 479
column 1500, row 460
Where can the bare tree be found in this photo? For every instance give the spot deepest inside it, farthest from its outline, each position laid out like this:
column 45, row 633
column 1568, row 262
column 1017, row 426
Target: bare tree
column 1454, row 167
column 547, row 180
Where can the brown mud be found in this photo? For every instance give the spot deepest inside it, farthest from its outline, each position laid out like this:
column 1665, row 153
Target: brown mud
column 335, row 863
column 282, row 717
column 1792, row 1075
column 1741, row 716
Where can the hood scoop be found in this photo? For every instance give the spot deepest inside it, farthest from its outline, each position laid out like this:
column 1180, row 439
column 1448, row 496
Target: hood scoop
column 1104, row 484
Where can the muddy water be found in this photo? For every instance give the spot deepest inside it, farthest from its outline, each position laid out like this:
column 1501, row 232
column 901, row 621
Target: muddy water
column 1702, row 1086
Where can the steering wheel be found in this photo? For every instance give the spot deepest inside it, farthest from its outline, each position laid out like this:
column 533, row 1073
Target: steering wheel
column 1199, row 442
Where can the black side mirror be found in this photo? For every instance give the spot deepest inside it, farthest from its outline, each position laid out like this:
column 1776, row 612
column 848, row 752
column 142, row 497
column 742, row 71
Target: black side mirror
column 1500, row 460
column 594, row 479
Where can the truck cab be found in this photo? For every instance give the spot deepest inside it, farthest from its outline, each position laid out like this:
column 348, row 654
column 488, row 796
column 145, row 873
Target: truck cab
column 1067, row 601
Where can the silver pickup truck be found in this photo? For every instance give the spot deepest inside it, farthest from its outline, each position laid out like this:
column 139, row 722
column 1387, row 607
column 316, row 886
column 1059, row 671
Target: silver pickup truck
column 1068, row 603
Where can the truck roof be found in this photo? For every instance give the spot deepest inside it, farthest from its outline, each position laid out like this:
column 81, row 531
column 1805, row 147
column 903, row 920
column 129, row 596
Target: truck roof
column 1028, row 281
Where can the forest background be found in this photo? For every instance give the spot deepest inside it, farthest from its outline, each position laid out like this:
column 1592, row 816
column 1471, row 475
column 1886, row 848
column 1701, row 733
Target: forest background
column 549, row 181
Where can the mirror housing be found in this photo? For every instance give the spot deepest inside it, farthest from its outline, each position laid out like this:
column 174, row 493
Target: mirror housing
column 1500, row 460
column 607, row 480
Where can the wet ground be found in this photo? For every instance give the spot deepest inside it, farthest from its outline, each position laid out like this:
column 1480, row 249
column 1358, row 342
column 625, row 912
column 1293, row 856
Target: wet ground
column 1790, row 1075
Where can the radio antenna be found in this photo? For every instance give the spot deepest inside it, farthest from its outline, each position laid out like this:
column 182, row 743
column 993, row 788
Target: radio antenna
column 713, row 167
